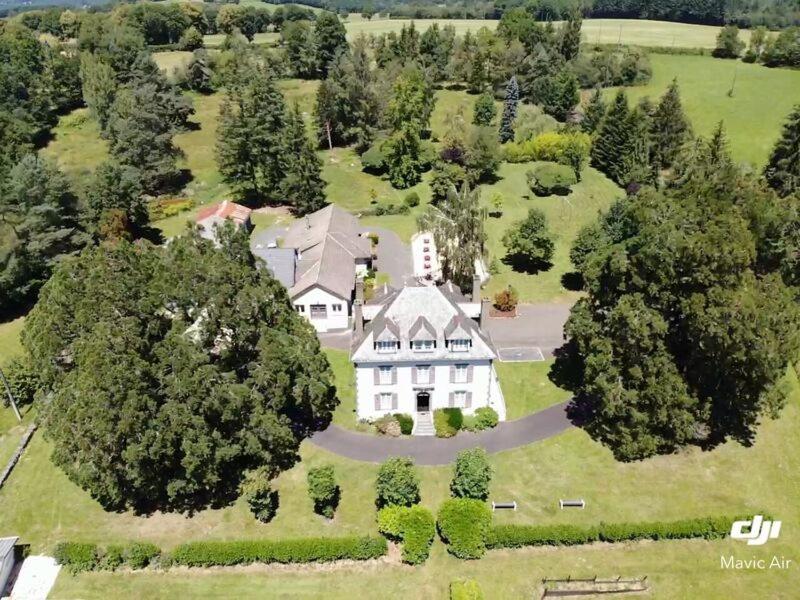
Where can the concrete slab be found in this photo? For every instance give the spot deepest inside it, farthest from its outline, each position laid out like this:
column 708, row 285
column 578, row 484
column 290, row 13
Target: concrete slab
column 521, row 354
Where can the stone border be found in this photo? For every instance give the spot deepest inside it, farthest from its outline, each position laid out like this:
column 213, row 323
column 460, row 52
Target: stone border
column 17, row 454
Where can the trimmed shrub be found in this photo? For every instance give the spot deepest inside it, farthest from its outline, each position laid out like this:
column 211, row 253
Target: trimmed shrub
column 406, row 423
column 260, row 496
column 549, row 178
column 397, row 483
column 486, row 418
column 463, row 525
column 140, row 554
column 77, row 556
column 113, row 558
column 506, row 300
column 551, row 146
column 209, row 554
column 323, row 490
column 412, row 199
column 413, row 525
column 374, row 160
column 470, row 423
column 389, row 521
column 389, row 425
column 517, row 536
column 465, row 589
column 447, row 421
column 471, row 475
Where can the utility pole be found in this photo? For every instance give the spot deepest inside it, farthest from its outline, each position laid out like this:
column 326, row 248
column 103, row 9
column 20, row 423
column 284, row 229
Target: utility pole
column 10, row 396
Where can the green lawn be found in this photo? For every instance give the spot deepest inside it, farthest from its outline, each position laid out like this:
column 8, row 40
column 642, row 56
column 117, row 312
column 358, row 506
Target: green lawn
column 42, row 506
column 753, row 116
column 638, row 32
column 526, row 387
column 565, row 216
column 10, row 345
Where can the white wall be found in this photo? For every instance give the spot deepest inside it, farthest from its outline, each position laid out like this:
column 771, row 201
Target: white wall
column 315, row 295
column 484, row 387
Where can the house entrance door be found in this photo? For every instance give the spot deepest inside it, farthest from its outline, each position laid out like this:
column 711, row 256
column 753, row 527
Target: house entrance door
column 423, row 402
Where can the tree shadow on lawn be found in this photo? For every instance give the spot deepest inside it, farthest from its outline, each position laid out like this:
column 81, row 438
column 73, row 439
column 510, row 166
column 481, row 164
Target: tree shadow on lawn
column 566, row 372
column 522, row 264
column 572, row 281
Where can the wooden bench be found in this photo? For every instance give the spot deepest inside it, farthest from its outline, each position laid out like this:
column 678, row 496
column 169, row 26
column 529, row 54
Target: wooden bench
column 504, row 505
column 562, row 504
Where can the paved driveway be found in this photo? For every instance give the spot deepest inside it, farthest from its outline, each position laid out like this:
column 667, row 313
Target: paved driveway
column 533, row 334
column 394, row 257
column 437, row 451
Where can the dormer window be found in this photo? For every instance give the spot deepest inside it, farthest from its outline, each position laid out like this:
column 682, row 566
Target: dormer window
column 459, row 345
column 387, row 346
column 423, row 345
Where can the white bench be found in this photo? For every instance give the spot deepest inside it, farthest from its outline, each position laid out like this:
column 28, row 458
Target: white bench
column 580, row 503
column 504, row 505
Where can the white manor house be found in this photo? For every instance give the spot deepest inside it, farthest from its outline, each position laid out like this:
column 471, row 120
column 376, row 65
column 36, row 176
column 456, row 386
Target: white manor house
column 420, row 351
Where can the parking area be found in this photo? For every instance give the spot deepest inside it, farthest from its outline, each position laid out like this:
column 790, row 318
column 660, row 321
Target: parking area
column 521, row 354
column 533, row 335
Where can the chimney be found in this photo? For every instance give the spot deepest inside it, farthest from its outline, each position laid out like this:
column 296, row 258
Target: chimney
column 485, row 305
column 476, row 288
column 358, row 318
column 359, row 289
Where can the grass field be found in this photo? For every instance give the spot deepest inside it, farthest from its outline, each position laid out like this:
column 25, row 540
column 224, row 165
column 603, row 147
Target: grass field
column 9, row 339
column 526, row 387
column 753, row 115
column 637, row 32
column 42, row 506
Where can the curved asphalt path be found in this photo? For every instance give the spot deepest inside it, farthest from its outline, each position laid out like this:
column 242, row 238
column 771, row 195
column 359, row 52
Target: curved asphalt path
column 437, row 451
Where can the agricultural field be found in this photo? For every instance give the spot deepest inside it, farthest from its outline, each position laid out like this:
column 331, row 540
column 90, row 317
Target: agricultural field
column 753, row 113
column 732, row 479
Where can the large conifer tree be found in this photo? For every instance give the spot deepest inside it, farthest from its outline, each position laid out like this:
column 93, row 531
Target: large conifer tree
column 670, row 128
column 250, row 138
column 595, row 111
column 510, row 105
column 783, row 168
column 302, row 184
column 613, row 136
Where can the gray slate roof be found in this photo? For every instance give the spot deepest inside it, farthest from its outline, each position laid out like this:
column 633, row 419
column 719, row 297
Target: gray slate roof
column 281, row 262
column 329, row 244
column 6, row 546
column 403, row 311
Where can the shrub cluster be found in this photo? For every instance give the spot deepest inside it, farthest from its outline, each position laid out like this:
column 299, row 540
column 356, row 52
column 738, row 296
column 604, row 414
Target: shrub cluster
column 472, row 475
column 506, row 300
column 547, row 179
column 78, row 556
column 397, row 483
column 516, row 536
column 465, row 589
column 414, row 526
column 389, row 425
column 463, row 525
column 168, row 207
column 447, row 421
column 550, row 146
column 484, row 417
column 390, row 208
column 208, row 554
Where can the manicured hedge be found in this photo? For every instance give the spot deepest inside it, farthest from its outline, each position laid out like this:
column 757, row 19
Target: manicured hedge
column 463, row 524
column 413, row 525
column 77, row 556
column 517, row 536
column 306, row 550
column 447, row 421
column 465, row 589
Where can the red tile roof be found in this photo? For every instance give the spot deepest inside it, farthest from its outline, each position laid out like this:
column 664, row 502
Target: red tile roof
column 225, row 210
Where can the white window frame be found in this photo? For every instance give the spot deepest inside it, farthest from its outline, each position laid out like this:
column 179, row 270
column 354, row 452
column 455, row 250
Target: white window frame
column 427, row 369
column 460, row 399
column 385, row 347
column 337, row 308
column 320, row 313
column 459, row 345
column 423, row 345
column 385, row 401
column 461, row 374
column 301, row 308
column 385, row 375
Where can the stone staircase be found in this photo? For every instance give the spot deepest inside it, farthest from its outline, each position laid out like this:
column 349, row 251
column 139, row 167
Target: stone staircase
column 423, row 424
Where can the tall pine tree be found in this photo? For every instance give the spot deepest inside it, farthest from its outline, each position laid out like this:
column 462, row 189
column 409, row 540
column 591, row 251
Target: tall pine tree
column 250, row 139
column 302, row 184
column 670, row 128
column 330, row 40
column 595, row 111
column 613, row 136
column 509, row 111
column 783, row 169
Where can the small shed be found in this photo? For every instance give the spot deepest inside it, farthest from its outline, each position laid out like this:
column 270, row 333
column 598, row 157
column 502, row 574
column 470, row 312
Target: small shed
column 6, row 560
